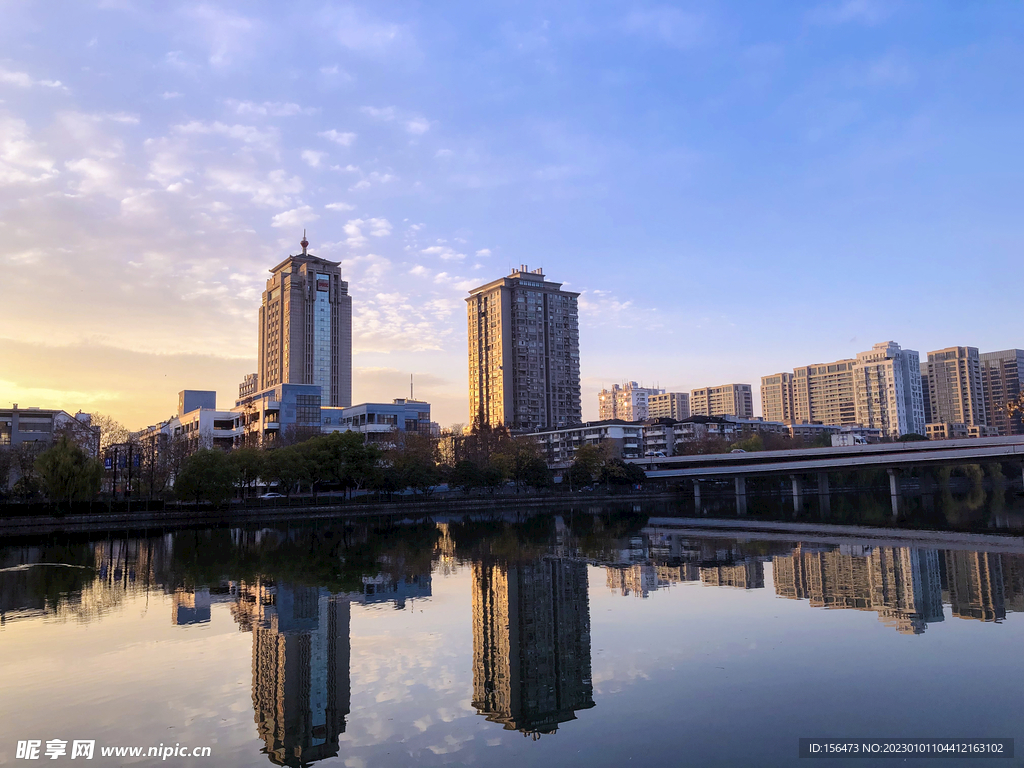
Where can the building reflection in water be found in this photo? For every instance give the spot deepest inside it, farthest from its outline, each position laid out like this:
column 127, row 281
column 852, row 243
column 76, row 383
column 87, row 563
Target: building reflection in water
column 300, row 667
column 190, row 606
column 531, row 643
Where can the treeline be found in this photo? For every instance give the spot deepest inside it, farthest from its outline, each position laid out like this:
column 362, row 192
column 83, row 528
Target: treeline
column 478, row 461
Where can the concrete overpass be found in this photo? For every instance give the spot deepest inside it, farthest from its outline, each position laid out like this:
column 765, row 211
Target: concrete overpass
column 821, row 461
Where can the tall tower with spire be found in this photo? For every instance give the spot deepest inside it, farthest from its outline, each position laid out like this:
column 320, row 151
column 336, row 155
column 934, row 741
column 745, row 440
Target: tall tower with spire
column 305, row 333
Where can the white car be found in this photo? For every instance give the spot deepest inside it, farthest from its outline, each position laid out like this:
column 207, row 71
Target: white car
column 272, row 496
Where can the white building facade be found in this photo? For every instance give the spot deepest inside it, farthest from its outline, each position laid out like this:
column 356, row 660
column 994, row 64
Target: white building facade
column 887, row 390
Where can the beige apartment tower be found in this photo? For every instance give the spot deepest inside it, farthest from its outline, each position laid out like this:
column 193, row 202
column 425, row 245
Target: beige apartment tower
column 725, row 400
column 306, row 328
column 955, row 388
column 777, row 398
column 669, row 405
column 524, row 353
column 628, row 402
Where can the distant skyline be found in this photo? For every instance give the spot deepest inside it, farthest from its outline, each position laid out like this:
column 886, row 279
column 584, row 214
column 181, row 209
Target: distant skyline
column 734, row 189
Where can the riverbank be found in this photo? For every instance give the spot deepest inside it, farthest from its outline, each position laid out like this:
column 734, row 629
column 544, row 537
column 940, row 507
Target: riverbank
column 172, row 519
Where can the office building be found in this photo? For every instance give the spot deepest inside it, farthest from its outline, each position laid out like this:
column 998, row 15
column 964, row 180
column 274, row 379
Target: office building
column 524, row 353
column 531, row 643
column 887, row 390
column 1002, row 377
column 668, row 405
column 628, row 402
column 777, row 397
column 975, row 584
column 39, row 426
column 724, row 400
column 378, row 421
column 305, row 328
column 955, row 391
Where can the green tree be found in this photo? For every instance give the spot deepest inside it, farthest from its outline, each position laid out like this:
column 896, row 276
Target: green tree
column 466, row 475
column 517, row 458
column 68, row 473
column 207, row 475
column 618, row 472
column 249, row 465
column 750, row 444
column 286, row 467
column 911, row 437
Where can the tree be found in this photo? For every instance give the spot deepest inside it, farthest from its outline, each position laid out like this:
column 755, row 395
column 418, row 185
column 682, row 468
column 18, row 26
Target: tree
column 285, row 465
column 518, row 459
column 750, row 444
column 911, row 437
column 586, row 463
column 112, row 431
column 466, row 475
column 618, row 472
column 249, row 465
column 207, row 475
column 68, row 473
column 6, row 463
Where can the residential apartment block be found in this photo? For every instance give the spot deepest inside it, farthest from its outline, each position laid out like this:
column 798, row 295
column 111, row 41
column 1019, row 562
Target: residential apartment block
column 879, row 389
column 668, row 405
column 1002, row 378
column 629, row 402
column 305, row 328
column 524, row 353
column 777, row 398
column 955, row 387
column 724, row 400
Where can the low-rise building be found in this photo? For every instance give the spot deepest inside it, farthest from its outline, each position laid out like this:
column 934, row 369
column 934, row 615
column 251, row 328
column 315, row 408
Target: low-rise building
column 40, row 425
column 378, row 421
column 944, row 430
column 559, row 446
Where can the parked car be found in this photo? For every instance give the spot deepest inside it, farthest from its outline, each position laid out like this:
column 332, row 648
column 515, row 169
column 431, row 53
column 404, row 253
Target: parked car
column 737, row 450
column 272, row 496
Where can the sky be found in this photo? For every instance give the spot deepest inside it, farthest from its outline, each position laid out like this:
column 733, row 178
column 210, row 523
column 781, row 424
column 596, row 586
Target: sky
column 734, row 188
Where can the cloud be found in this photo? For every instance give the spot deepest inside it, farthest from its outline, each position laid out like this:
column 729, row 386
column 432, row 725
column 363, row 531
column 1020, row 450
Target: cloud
column 21, row 158
column 444, row 251
column 228, row 35
column 354, row 230
column 270, row 108
column 379, row 113
column 247, row 134
column 170, row 95
column 668, row 25
column 358, row 33
column 339, row 207
column 275, row 189
column 23, row 80
column 484, row 253
column 312, row 157
column 370, row 179
column 868, row 12
column 417, row 126
column 344, row 139
column 295, row 218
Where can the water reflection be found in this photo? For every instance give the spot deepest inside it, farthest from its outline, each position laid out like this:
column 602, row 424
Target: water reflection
column 293, row 588
column 531, row 643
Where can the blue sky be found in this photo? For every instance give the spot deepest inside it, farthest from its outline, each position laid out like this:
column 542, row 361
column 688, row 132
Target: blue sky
column 735, row 188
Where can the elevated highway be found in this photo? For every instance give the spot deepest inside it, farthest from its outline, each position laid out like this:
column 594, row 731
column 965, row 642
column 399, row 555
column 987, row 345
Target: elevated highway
column 820, row 461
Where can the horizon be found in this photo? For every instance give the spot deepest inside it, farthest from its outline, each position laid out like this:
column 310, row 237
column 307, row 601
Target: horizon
column 733, row 191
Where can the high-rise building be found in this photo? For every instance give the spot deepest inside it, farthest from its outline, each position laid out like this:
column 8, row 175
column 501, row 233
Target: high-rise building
column 955, row 391
column 724, row 400
column 777, row 397
column 300, row 668
column 887, row 390
column 1002, row 378
column 629, row 402
column 669, row 405
column 306, row 328
column 531, row 643
column 824, row 394
column 524, row 353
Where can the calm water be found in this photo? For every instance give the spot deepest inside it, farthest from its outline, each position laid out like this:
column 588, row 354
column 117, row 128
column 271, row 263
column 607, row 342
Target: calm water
column 593, row 639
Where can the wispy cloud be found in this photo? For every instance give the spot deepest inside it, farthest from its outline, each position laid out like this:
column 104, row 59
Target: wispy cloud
column 270, row 108
column 295, row 218
column 345, row 139
column 868, row 12
column 24, row 80
column 668, row 25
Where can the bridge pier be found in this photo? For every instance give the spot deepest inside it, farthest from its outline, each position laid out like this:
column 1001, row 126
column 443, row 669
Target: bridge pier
column 824, row 495
column 741, row 495
column 894, row 490
column 798, row 498
column 696, row 495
